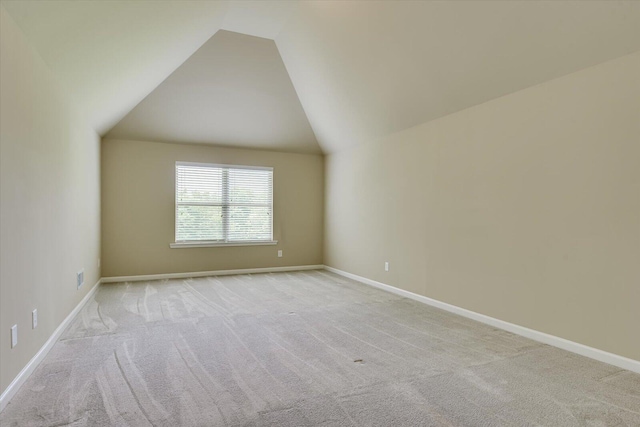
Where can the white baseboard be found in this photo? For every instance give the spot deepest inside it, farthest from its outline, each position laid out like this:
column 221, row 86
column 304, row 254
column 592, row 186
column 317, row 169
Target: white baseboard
column 574, row 347
column 17, row 382
column 15, row 385
column 209, row 273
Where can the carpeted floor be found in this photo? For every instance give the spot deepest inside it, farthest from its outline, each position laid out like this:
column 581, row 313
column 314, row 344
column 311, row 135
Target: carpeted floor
column 305, row 348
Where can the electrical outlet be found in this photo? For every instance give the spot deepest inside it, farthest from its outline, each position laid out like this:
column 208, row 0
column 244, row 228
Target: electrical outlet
column 80, row 278
column 280, row 253
column 34, row 318
column 386, row 266
column 14, row 336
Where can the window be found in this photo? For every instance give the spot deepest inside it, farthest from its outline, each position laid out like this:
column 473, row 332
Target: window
column 223, row 205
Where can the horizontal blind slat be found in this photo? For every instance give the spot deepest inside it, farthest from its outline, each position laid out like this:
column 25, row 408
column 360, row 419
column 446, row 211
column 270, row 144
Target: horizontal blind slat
column 204, row 193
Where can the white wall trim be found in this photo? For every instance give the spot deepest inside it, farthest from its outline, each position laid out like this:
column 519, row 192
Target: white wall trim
column 209, row 273
column 17, row 382
column 193, row 244
column 574, row 347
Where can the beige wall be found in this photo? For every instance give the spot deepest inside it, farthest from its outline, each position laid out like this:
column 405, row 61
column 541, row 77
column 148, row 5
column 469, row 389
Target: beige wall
column 138, row 209
column 525, row 208
column 49, row 201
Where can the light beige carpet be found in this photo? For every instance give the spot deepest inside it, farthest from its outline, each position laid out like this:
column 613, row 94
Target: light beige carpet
column 305, row 348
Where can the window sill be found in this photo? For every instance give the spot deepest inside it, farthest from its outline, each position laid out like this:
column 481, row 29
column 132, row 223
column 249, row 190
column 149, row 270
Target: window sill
column 182, row 245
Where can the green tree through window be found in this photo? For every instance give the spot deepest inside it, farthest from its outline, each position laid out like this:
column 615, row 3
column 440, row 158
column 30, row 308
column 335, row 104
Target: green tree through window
column 223, row 203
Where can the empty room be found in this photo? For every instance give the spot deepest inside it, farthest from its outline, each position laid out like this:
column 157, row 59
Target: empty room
column 319, row 213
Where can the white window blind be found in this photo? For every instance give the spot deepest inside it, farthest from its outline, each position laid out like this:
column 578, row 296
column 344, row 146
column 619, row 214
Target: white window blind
column 223, row 203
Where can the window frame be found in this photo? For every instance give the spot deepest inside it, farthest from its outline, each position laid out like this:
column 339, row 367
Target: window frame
column 225, row 205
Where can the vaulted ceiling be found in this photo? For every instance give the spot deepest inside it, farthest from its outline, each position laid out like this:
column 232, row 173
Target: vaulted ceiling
column 233, row 91
column 361, row 70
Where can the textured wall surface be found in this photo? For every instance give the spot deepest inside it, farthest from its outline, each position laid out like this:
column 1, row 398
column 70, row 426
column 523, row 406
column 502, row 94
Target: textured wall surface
column 138, row 209
column 525, row 208
column 49, row 201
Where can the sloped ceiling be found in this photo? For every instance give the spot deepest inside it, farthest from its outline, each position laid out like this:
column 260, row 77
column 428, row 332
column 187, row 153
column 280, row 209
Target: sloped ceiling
column 109, row 55
column 361, row 69
column 258, row 17
column 233, row 91
column 366, row 69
